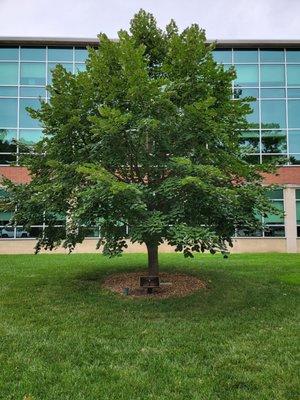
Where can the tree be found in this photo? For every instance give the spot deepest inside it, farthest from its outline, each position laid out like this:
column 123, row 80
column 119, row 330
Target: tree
column 147, row 138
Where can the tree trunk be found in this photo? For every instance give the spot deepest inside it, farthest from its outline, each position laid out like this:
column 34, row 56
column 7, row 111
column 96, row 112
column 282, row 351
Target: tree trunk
column 152, row 259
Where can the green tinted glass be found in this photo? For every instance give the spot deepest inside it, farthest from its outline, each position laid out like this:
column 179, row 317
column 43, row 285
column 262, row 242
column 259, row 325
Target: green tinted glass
column 298, row 212
column 32, row 92
column 272, row 93
column 8, row 73
column 33, row 53
column 294, row 113
column 25, row 120
column 7, row 138
column 293, row 75
column 273, row 141
column 245, row 56
column 30, row 137
column 9, row 91
column 295, row 159
column 9, row 53
column 273, row 114
column 269, row 55
column 250, row 141
column 33, row 74
column 294, row 141
column 298, row 194
column 222, row 56
column 272, row 75
column 293, row 56
column 247, row 75
column 8, row 113
column 60, row 54
column 81, row 55
column 276, row 194
column 293, row 93
column 273, row 218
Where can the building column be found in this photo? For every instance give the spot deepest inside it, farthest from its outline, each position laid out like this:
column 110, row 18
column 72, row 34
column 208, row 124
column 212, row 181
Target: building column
column 289, row 194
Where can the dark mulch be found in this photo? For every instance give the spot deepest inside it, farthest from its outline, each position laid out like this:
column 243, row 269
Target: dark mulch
column 171, row 285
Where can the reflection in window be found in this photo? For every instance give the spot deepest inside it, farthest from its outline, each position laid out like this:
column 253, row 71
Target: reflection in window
column 60, row 53
column 269, row 55
column 25, row 120
column 273, row 114
column 6, row 159
column 7, row 140
column 294, row 141
column 8, row 73
column 8, row 113
column 293, row 56
column 9, row 91
column 273, row 141
column 250, row 141
column 32, row 92
column 294, row 159
column 294, row 113
column 272, row 75
column 240, row 93
column 293, row 75
column 33, row 74
column 30, row 137
column 33, row 53
column 272, row 93
column 245, row 56
column 253, row 118
column 247, row 75
column 9, row 53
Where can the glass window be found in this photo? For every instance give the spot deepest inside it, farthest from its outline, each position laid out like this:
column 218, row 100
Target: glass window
column 8, row 73
column 68, row 67
column 253, row 118
column 5, row 217
column 80, row 67
column 275, row 194
column 8, row 113
column 8, row 91
column 33, row 53
column 6, row 159
column 60, row 53
column 273, row 141
column 269, row 55
column 273, row 114
column 293, row 56
column 29, row 136
column 272, row 93
column 272, row 75
column 293, row 93
column 273, row 218
column 9, row 53
column 240, row 93
column 275, row 231
column 25, row 120
column 247, row 75
column 7, row 139
column 298, row 194
column 298, row 212
column 293, row 75
column 294, row 141
column 245, row 56
column 81, row 55
column 33, row 74
column 222, row 56
column 32, row 92
column 295, row 159
column 294, row 113
column 250, row 141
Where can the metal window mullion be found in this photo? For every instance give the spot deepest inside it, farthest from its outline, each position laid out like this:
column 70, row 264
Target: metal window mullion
column 73, row 61
column 259, row 106
column 286, row 107
column 18, row 102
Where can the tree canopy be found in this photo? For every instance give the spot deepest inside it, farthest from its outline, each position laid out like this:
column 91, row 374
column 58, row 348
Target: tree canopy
column 146, row 138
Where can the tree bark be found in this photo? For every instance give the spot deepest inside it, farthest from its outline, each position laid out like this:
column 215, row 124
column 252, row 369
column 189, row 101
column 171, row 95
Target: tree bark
column 152, row 259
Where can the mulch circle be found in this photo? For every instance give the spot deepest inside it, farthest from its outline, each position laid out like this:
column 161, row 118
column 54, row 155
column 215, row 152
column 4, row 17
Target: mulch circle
column 171, row 285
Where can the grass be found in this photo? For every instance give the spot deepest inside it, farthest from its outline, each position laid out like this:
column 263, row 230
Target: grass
column 62, row 337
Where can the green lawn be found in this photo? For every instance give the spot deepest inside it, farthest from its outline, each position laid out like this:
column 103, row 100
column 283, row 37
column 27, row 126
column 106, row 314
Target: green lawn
column 63, row 337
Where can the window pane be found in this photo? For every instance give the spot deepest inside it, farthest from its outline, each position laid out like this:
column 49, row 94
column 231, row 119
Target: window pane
column 298, row 211
column 33, row 53
column 60, row 54
column 295, row 159
column 68, row 67
column 240, row 93
column 25, row 120
column 272, row 93
column 253, row 118
column 294, row 141
column 271, row 55
column 273, row 114
column 298, row 194
column 244, row 56
column 294, row 113
column 273, row 141
column 8, row 91
column 33, row 74
column 293, row 75
column 8, row 73
column 222, row 56
column 30, row 137
column 272, row 75
column 275, row 231
column 6, row 159
column 7, row 138
column 293, row 93
column 81, row 55
column 247, row 75
column 293, row 55
column 80, row 67
column 275, row 219
column 250, row 141
column 9, row 53
column 275, row 194
column 32, row 92
column 8, row 113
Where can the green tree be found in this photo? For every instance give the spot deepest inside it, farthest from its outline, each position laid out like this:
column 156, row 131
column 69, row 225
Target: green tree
column 148, row 138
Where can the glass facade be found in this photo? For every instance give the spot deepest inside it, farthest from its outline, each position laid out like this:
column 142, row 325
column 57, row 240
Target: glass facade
column 272, row 77
column 24, row 73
